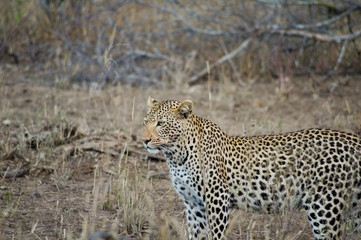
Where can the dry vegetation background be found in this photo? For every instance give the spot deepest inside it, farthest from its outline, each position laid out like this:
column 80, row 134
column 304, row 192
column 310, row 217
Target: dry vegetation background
column 75, row 76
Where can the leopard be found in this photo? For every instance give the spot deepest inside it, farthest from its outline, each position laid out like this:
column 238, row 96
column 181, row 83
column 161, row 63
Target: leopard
column 316, row 169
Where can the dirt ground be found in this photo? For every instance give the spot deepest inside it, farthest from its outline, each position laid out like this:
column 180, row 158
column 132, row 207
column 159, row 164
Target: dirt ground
column 72, row 163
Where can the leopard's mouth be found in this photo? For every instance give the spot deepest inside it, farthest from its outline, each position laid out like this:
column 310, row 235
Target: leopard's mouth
column 150, row 149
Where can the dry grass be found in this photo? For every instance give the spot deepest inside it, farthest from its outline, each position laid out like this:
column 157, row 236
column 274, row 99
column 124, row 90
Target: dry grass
column 82, row 168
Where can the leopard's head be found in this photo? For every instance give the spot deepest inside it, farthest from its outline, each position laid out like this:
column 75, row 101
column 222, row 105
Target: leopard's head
column 164, row 124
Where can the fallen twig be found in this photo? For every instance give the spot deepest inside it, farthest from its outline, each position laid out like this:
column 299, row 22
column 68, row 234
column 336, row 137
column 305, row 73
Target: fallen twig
column 14, row 173
column 148, row 156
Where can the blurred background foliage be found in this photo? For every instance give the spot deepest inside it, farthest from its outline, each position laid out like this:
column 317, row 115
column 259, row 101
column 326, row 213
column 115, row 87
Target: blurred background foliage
column 170, row 42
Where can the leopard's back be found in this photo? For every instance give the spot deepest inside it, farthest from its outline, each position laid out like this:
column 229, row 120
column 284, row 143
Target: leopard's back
column 318, row 169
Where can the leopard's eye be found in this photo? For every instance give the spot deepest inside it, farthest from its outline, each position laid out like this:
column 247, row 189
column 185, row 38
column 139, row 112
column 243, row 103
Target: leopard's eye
column 145, row 122
column 160, row 123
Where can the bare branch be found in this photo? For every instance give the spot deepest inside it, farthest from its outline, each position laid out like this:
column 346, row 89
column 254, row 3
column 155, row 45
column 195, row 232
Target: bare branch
column 185, row 20
column 312, row 25
column 340, row 57
column 196, row 78
column 318, row 36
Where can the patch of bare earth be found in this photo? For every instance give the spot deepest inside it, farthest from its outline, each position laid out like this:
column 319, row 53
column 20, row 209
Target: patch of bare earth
column 72, row 164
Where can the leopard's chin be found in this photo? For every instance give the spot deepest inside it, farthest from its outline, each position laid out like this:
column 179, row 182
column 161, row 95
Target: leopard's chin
column 152, row 150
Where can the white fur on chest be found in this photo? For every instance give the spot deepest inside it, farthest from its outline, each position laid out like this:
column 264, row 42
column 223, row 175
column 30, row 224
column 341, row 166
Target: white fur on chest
column 183, row 184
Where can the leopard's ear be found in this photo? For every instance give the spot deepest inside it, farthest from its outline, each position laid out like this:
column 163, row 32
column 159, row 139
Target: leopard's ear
column 185, row 109
column 150, row 103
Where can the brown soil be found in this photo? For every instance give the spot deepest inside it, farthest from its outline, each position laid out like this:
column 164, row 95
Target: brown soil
column 62, row 152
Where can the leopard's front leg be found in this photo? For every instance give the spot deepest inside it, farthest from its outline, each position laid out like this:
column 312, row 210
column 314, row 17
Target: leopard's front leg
column 208, row 216
column 217, row 205
column 194, row 202
column 197, row 220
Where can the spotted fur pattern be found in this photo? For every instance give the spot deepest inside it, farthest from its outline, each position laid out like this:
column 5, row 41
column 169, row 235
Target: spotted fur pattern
column 317, row 169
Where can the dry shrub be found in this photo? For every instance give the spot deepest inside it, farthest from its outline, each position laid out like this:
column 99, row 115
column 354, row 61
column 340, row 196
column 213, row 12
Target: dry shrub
column 141, row 42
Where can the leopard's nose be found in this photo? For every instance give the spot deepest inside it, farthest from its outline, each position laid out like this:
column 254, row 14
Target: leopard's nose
column 145, row 141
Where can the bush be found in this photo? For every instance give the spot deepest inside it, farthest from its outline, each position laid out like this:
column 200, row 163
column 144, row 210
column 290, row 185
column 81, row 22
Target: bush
column 156, row 42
